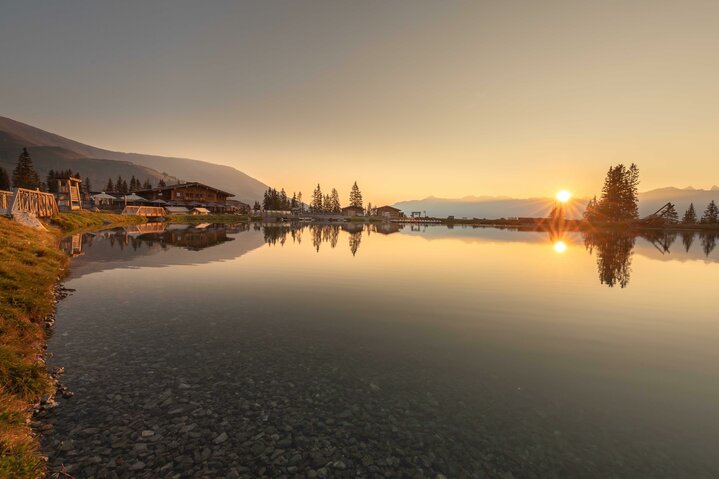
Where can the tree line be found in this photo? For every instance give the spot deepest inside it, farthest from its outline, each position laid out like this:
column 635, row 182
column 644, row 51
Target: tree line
column 619, row 201
column 320, row 203
column 25, row 176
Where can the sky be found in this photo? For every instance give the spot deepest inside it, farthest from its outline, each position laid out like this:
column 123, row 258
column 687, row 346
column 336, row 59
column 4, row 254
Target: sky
column 410, row 98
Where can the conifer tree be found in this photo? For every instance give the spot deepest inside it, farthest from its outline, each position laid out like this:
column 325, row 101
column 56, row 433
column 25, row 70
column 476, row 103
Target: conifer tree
column 327, row 204
column 317, row 199
column 4, row 179
column 355, row 196
column 51, row 181
column 86, row 185
column 671, row 216
column 299, row 201
column 620, row 196
column 336, row 207
column 690, row 216
column 711, row 214
column 369, row 209
column 24, row 175
column 110, row 187
column 147, row 185
column 161, row 183
column 118, row 184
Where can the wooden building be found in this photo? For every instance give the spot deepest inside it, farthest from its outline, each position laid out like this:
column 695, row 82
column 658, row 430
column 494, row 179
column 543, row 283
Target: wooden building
column 68, row 194
column 389, row 212
column 190, row 194
column 352, row 211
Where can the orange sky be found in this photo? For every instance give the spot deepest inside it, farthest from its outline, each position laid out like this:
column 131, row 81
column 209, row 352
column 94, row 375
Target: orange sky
column 409, row 98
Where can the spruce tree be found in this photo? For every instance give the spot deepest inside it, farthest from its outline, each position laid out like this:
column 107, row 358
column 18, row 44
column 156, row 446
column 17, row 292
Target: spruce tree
column 355, row 196
column 118, row 184
column 620, row 195
column 24, row 175
column 671, row 216
column 327, row 204
column 4, row 179
column 711, row 214
column 110, row 187
column 335, row 202
column 690, row 216
column 161, row 183
column 147, row 185
column 51, row 181
column 317, row 199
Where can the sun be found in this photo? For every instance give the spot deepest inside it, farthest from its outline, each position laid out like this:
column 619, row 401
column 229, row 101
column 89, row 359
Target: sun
column 563, row 196
column 560, row 246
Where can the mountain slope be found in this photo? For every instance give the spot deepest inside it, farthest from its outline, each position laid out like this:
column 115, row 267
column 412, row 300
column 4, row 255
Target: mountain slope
column 502, row 207
column 223, row 177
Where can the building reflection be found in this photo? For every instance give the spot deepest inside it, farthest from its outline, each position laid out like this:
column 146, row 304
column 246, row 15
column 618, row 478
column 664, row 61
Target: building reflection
column 194, row 238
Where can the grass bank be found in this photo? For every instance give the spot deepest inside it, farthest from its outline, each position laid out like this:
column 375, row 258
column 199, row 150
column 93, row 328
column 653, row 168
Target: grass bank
column 30, row 267
column 197, row 219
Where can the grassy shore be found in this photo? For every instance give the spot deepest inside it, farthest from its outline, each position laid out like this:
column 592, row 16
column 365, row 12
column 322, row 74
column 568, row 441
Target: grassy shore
column 30, row 267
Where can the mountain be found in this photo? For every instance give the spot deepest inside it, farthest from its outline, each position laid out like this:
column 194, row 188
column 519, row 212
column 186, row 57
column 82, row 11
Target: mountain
column 651, row 201
column 51, row 151
column 487, row 207
column 503, row 207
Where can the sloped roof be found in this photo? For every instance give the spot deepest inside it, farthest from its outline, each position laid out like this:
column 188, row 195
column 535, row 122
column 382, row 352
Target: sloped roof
column 185, row 185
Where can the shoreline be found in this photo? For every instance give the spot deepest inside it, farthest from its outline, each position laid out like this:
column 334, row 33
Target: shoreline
column 32, row 271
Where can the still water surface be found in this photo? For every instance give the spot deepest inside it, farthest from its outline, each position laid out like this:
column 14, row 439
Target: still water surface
column 322, row 351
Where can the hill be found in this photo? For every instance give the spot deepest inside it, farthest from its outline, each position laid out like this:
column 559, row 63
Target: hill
column 51, row 151
column 503, row 207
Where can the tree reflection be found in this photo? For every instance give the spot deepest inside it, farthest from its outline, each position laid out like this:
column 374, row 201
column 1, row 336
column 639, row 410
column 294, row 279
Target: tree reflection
column 614, row 255
column 355, row 239
column 709, row 242
column 687, row 240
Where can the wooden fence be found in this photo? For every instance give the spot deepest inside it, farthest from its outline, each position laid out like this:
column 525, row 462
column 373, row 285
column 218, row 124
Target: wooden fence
column 40, row 204
column 154, row 211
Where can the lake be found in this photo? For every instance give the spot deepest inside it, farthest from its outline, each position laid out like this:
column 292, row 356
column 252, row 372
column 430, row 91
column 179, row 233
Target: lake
column 387, row 351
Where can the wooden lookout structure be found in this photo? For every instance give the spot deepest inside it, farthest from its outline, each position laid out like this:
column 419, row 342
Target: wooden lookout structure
column 68, row 194
column 35, row 202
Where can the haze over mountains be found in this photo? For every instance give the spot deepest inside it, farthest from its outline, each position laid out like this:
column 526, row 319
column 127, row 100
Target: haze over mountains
column 505, row 207
column 51, row 151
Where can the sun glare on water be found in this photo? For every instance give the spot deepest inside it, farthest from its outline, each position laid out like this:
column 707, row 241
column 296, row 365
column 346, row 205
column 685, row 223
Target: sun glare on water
column 563, row 196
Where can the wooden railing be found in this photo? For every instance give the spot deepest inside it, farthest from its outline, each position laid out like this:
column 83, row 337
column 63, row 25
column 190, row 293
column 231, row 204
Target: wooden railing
column 144, row 211
column 40, row 204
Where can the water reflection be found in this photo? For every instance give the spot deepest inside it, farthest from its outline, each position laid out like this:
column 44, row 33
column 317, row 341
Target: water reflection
column 614, row 252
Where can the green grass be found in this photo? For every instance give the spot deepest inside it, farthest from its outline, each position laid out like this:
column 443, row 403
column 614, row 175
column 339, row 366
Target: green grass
column 84, row 219
column 196, row 219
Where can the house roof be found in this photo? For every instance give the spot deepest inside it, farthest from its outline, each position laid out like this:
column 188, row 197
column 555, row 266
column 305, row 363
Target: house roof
column 388, row 208
column 184, row 185
column 176, row 209
column 201, row 210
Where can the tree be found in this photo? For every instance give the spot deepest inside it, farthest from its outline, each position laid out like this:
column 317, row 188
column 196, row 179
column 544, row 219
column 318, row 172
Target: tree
column 317, row 198
column 620, row 196
column 355, row 196
column 161, row 183
column 110, row 187
column 711, row 214
column 690, row 216
column 51, row 181
column 257, row 206
column 86, row 185
column 336, row 207
column 369, row 209
column 4, row 179
column 671, row 216
column 299, row 201
column 147, row 185
column 24, row 175
column 134, row 186
column 327, row 204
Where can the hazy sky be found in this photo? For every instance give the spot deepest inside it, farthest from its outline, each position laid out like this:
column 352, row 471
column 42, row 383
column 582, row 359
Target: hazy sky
column 410, row 98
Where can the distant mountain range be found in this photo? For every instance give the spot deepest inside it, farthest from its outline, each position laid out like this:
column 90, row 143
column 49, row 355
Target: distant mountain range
column 50, row 151
column 505, row 207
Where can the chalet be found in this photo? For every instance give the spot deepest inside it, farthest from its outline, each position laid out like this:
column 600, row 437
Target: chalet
column 389, row 212
column 352, row 211
column 189, row 194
